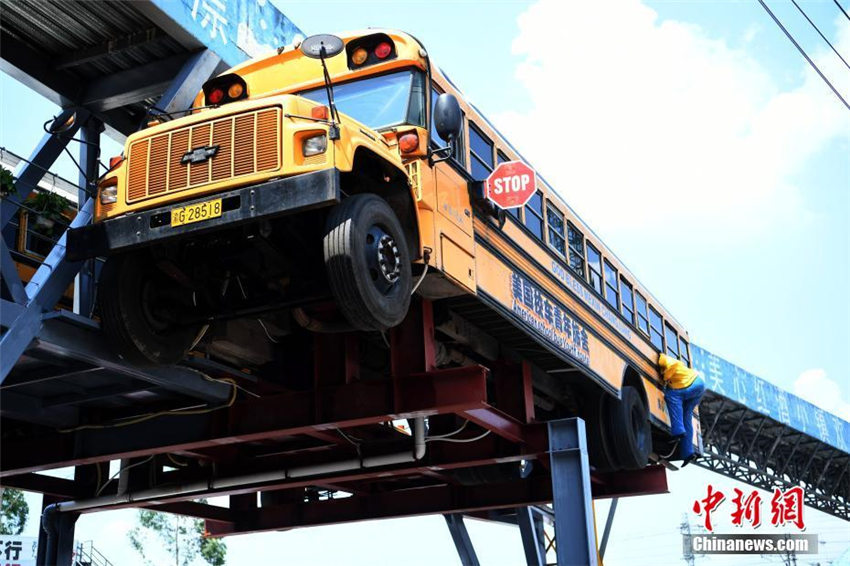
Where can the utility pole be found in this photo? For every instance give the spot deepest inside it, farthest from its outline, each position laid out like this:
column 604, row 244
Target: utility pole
column 790, row 557
column 687, row 551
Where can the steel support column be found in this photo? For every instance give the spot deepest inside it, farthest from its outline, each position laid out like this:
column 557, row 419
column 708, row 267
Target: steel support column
column 195, row 72
column 43, row 290
column 460, row 536
column 606, row 533
column 531, row 531
column 89, row 154
column 571, row 495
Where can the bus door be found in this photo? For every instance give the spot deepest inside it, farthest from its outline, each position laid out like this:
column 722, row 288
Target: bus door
column 453, row 230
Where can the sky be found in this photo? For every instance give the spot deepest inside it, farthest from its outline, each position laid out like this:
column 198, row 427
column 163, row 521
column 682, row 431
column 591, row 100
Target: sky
column 698, row 144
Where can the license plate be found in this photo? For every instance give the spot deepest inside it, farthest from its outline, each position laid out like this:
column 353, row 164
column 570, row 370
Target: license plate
column 196, row 212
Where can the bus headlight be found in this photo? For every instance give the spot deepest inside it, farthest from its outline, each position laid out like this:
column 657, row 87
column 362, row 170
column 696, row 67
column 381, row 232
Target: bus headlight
column 315, row 145
column 108, row 189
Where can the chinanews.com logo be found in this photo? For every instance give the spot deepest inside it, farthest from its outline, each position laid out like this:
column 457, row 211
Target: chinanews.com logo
column 785, row 510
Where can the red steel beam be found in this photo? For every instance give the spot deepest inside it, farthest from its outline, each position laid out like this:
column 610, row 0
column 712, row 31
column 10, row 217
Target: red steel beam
column 651, row 480
column 403, row 503
column 356, row 404
column 442, row 458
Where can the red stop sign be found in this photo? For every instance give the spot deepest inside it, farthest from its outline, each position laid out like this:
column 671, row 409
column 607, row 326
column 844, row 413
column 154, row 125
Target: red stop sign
column 511, row 184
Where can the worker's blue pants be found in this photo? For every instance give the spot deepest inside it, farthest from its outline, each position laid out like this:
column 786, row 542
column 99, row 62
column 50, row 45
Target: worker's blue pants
column 680, row 406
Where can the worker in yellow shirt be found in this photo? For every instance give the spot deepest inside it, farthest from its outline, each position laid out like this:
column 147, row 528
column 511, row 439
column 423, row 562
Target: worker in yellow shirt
column 683, row 389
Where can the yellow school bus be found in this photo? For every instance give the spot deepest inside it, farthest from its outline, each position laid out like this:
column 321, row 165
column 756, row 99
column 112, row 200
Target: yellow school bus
column 350, row 167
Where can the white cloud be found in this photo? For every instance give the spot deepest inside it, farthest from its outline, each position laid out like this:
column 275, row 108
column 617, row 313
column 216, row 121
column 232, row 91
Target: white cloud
column 814, row 386
column 645, row 123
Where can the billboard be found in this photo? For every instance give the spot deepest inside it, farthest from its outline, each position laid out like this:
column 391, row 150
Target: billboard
column 16, row 550
column 236, row 30
column 739, row 385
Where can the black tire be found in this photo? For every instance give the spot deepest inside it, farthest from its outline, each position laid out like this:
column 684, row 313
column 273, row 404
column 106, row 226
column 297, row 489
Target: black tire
column 368, row 262
column 628, row 430
column 126, row 285
column 599, row 448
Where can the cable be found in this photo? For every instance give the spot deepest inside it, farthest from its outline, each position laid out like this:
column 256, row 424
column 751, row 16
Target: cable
column 245, row 296
column 421, row 279
column 450, row 434
column 459, row 440
column 269, row 336
column 222, row 380
column 149, row 416
column 820, row 34
column 803, row 53
column 100, row 490
column 842, row 9
column 175, row 462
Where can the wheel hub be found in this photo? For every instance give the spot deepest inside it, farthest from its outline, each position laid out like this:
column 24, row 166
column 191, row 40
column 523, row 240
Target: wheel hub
column 383, row 258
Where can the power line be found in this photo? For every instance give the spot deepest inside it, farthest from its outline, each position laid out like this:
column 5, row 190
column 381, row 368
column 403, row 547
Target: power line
column 842, row 9
column 803, row 53
column 820, row 34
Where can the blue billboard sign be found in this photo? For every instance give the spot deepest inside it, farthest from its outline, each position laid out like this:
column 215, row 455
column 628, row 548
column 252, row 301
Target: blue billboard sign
column 236, row 30
column 739, row 385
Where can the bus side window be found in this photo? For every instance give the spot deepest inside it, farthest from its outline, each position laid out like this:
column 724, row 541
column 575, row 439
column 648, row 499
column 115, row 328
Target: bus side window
column 640, row 308
column 612, row 295
column 37, row 240
column 459, row 153
column 480, row 153
column 655, row 335
column 576, row 240
column 515, row 212
column 672, row 341
column 627, row 301
column 683, row 352
column 555, row 222
column 594, row 265
column 534, row 214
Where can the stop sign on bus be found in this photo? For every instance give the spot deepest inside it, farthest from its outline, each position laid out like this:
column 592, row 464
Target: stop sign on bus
column 511, row 184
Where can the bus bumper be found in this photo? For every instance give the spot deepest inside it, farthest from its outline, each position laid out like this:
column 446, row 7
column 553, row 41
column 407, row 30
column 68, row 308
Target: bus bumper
column 256, row 202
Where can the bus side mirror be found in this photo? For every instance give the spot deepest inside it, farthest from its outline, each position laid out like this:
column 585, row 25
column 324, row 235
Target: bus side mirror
column 448, row 119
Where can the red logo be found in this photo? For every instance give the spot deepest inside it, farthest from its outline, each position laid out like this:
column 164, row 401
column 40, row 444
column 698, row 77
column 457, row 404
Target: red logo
column 746, row 508
column 511, row 184
column 786, row 507
column 711, row 501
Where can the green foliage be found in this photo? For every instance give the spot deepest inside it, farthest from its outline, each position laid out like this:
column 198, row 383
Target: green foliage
column 49, row 204
column 7, row 182
column 181, row 538
column 13, row 512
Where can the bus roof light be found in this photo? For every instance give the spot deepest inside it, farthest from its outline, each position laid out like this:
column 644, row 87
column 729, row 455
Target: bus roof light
column 235, row 90
column 359, row 56
column 215, row 96
column 383, row 50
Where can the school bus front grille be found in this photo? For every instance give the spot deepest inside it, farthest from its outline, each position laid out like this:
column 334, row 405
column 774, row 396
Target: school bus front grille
column 246, row 144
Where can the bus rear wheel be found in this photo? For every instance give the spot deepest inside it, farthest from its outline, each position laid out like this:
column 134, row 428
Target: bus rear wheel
column 134, row 299
column 600, row 448
column 629, row 430
column 368, row 263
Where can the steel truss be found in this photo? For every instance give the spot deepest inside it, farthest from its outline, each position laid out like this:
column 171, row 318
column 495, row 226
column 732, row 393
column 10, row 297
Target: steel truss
column 745, row 445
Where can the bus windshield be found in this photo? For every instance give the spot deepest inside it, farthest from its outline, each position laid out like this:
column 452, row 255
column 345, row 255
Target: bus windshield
column 381, row 101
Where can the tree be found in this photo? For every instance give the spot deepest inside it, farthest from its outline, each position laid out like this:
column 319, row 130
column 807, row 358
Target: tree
column 13, row 512
column 181, row 538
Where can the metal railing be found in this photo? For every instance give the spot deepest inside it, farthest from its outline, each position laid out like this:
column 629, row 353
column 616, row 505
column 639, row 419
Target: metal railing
column 85, row 554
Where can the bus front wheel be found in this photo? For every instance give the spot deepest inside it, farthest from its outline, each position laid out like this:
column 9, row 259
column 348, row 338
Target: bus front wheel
column 368, row 263
column 136, row 303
